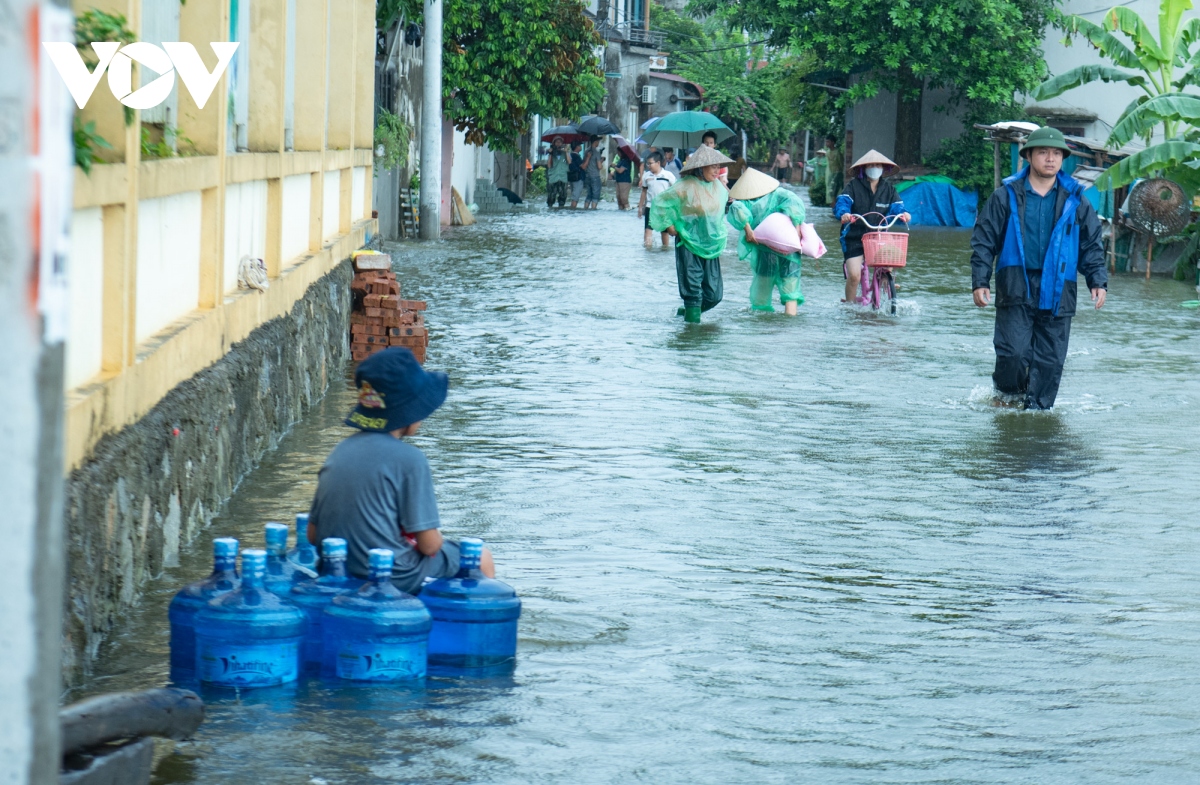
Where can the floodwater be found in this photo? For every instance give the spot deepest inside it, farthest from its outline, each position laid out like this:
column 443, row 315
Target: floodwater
column 762, row 549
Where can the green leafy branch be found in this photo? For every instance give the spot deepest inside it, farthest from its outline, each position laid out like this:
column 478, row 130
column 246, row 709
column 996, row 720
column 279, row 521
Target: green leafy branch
column 394, row 136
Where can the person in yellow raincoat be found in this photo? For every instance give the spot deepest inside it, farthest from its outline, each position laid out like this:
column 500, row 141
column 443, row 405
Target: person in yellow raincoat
column 693, row 211
column 755, row 196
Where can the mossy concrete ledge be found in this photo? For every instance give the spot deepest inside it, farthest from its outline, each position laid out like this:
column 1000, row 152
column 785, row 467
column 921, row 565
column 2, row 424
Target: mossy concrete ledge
column 150, row 488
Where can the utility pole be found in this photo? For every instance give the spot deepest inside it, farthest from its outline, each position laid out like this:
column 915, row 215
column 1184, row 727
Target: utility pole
column 36, row 164
column 431, row 125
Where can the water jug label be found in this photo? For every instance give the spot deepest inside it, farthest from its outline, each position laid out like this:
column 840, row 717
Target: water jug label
column 381, row 661
column 249, row 665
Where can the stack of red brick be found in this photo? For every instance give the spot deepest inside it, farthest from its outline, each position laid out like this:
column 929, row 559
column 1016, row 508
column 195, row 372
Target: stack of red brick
column 379, row 318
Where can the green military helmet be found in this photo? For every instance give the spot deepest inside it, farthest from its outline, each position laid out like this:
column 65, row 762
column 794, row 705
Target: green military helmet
column 1046, row 137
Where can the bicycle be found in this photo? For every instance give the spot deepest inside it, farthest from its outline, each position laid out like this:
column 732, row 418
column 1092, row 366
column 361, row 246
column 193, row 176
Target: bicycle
column 883, row 251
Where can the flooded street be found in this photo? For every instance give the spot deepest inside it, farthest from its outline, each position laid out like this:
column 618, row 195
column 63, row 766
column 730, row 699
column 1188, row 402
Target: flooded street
column 761, row 549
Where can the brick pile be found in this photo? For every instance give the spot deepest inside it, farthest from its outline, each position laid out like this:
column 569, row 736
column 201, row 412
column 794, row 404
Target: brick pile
column 379, row 318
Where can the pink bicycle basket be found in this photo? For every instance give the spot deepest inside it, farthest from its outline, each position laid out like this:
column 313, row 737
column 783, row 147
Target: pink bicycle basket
column 885, row 249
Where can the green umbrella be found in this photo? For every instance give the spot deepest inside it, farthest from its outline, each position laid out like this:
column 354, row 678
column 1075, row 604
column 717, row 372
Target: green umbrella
column 685, row 129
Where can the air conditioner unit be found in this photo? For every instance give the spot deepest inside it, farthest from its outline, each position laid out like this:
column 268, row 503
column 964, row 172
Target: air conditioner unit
column 649, row 94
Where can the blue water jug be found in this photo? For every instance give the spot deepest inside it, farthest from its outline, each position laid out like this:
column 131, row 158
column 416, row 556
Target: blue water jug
column 192, row 598
column 314, row 595
column 249, row 637
column 377, row 633
column 474, row 617
column 304, row 555
column 280, row 573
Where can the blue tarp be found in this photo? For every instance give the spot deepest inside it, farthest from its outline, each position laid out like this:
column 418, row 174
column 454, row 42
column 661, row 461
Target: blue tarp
column 940, row 204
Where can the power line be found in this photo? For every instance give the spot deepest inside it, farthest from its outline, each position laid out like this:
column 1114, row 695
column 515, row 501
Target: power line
column 719, row 49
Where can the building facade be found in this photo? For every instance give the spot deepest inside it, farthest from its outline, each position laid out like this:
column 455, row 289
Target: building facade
column 275, row 166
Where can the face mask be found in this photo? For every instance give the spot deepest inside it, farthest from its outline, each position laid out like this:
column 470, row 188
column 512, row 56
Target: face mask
column 874, row 172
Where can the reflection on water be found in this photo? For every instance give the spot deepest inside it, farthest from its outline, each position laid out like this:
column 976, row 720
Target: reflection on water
column 1025, row 444
column 763, row 549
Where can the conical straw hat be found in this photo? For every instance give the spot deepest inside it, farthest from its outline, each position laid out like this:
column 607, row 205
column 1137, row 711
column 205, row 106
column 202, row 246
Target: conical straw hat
column 705, row 156
column 753, row 184
column 876, row 157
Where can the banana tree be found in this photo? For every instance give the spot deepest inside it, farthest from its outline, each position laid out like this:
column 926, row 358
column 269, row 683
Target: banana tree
column 1148, row 63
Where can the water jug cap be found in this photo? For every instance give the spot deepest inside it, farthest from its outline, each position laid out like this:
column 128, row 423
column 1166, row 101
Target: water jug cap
column 277, row 534
column 225, row 548
column 333, row 548
column 254, row 562
column 380, row 562
column 470, row 553
column 301, row 521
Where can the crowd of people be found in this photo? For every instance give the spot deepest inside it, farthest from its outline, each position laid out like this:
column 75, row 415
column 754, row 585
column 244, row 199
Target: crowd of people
column 1036, row 231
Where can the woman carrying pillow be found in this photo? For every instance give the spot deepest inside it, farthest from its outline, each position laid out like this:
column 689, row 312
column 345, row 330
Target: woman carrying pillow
column 755, row 196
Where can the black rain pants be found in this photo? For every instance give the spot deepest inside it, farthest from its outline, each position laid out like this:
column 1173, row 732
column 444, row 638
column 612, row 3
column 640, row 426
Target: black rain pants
column 700, row 283
column 1031, row 348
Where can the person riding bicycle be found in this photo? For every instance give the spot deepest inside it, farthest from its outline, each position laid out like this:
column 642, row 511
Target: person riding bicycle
column 867, row 192
column 755, row 196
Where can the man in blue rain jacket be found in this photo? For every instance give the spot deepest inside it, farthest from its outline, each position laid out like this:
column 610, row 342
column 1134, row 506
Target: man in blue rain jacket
column 1039, row 232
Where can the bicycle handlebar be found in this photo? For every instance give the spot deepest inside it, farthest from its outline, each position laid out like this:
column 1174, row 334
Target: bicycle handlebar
column 884, row 224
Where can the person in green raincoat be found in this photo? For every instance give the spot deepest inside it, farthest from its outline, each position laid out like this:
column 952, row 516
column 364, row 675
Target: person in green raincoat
column 755, row 196
column 693, row 212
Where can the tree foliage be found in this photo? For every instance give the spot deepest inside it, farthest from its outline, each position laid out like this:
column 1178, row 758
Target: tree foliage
column 1162, row 67
column 505, row 60
column 682, row 31
column 739, row 84
column 1145, row 62
column 985, row 50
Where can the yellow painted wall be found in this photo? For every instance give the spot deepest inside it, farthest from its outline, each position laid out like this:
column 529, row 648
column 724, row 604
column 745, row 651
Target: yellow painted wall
column 332, row 140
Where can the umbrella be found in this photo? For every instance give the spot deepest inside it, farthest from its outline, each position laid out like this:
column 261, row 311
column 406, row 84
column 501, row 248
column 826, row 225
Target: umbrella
column 627, row 149
column 595, row 125
column 685, row 129
column 647, row 127
column 569, row 134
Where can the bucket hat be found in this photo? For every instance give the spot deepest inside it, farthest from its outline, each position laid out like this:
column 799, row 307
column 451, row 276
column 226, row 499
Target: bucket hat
column 705, row 156
column 753, row 184
column 1046, row 137
column 394, row 391
column 874, row 157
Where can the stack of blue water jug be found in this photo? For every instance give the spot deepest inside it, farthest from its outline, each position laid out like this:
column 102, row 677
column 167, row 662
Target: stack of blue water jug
column 283, row 617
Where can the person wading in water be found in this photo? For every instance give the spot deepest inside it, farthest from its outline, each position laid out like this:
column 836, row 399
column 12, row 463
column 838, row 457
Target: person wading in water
column 867, row 192
column 1038, row 231
column 693, row 210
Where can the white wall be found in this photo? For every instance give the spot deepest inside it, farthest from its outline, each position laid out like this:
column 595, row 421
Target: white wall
column 462, row 170
column 85, row 279
column 297, row 202
column 470, row 163
column 245, row 226
column 168, row 261
column 332, row 202
column 357, row 193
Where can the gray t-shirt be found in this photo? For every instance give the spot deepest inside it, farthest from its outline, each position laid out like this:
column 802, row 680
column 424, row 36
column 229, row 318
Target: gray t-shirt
column 372, row 490
column 593, row 163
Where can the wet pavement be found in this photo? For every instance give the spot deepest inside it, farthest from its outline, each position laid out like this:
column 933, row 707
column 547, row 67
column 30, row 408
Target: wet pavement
column 761, row 549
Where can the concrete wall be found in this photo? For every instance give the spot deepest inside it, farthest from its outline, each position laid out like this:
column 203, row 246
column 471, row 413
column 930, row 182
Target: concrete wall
column 273, row 172
column 875, row 123
column 246, row 225
column 86, row 278
column 146, row 492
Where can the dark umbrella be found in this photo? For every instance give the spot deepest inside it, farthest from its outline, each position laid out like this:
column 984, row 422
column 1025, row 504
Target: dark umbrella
column 594, row 125
column 569, row 134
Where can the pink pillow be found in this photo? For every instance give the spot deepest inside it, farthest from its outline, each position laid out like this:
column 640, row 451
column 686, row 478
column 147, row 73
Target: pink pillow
column 810, row 242
column 778, row 233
